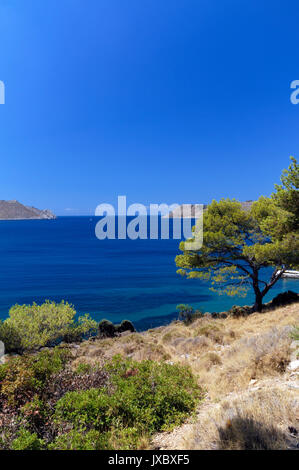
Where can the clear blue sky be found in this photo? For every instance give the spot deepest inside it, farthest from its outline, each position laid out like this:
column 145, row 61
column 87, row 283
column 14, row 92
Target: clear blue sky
column 160, row 100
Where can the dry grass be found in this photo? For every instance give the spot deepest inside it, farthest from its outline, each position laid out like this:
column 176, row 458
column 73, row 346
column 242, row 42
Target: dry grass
column 227, row 355
column 253, row 357
column 258, row 420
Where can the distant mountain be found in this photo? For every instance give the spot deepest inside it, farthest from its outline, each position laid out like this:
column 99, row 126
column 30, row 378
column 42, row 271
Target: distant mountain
column 247, row 205
column 187, row 211
column 13, row 210
column 191, row 211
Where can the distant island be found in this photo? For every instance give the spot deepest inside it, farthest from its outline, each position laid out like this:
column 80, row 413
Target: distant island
column 191, row 211
column 14, row 210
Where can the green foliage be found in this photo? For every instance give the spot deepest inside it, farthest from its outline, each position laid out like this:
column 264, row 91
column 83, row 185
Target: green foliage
column 187, row 313
column 295, row 333
column 24, row 376
column 29, row 327
column 83, row 368
column 287, row 194
column 235, row 248
column 272, row 219
column 279, row 218
column 84, row 327
column 146, row 396
column 77, row 440
column 125, row 439
column 108, row 330
column 226, row 228
column 117, row 406
column 27, row 441
column 126, row 325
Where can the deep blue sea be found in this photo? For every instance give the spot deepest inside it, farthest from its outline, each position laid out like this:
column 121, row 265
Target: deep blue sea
column 113, row 279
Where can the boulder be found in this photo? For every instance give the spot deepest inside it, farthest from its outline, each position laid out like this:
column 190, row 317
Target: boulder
column 294, row 365
column 285, row 298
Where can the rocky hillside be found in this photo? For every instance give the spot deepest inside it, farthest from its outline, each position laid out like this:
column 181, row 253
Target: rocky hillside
column 14, row 210
column 248, row 367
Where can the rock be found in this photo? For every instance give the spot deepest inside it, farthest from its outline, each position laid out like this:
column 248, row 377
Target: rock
column 294, row 365
column 294, row 374
column 254, row 389
column 293, row 386
column 185, row 356
column 285, row 298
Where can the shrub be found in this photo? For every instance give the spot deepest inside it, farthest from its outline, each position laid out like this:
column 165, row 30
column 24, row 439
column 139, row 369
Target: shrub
column 145, row 395
column 24, row 376
column 83, row 328
column 68, row 381
column 124, row 439
column 10, row 336
column 118, row 406
column 76, row 440
column 214, row 358
column 238, row 311
column 30, row 327
column 126, row 325
column 187, row 313
column 106, row 329
column 34, row 414
column 27, row 441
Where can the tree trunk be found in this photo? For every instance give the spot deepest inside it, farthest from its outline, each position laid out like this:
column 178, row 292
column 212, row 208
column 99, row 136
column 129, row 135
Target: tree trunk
column 258, row 302
column 258, row 295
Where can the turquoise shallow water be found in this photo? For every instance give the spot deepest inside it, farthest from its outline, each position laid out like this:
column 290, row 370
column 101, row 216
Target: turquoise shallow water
column 114, row 279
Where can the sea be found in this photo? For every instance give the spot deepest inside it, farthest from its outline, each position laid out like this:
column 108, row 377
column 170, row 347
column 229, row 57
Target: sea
column 62, row 259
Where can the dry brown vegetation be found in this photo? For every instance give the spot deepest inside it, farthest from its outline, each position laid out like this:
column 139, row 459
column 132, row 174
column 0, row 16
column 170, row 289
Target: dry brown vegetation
column 251, row 397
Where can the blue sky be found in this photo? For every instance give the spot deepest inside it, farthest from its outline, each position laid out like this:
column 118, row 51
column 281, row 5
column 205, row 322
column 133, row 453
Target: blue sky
column 159, row 100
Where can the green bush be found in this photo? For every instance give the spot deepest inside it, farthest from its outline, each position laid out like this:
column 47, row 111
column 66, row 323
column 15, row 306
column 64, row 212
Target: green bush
column 29, row 327
column 146, row 395
column 77, row 440
column 126, row 325
column 107, row 329
column 27, row 441
column 24, row 376
column 83, row 328
column 10, row 335
column 187, row 313
column 125, row 439
column 117, row 406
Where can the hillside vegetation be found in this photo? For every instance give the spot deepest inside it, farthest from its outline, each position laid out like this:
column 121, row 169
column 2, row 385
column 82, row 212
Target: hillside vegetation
column 251, row 397
column 206, row 383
